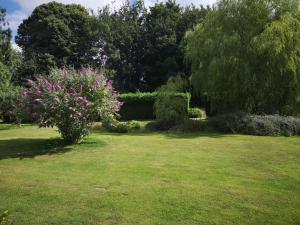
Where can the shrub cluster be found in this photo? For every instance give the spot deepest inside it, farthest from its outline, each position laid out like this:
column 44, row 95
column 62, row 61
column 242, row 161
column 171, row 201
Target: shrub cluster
column 196, row 113
column 111, row 124
column 262, row 125
column 70, row 100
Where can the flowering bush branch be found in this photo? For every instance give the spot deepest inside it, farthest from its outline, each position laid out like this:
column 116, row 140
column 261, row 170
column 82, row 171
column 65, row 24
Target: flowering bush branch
column 71, row 100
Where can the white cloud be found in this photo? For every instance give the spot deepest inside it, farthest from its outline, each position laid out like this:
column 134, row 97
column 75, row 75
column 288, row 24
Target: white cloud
column 16, row 18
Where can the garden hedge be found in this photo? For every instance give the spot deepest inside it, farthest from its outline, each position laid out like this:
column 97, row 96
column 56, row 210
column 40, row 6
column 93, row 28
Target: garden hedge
column 138, row 106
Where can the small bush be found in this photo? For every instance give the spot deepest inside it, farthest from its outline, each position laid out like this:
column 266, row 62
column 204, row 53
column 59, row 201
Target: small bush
column 3, row 218
column 71, row 100
column 262, row 125
column 111, row 124
column 197, row 113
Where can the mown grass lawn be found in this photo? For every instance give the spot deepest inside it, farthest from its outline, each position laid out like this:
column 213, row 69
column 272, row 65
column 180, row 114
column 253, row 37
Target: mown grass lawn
column 148, row 178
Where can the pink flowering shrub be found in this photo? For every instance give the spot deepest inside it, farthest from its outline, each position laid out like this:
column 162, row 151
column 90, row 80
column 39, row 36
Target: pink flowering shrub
column 71, row 100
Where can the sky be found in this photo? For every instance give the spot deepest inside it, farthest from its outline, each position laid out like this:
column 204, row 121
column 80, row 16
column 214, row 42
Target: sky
column 18, row 10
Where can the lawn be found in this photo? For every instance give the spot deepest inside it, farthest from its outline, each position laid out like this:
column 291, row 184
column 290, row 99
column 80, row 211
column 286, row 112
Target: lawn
column 148, row 178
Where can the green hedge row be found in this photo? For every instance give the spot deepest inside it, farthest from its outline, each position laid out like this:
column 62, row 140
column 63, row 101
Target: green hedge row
column 140, row 105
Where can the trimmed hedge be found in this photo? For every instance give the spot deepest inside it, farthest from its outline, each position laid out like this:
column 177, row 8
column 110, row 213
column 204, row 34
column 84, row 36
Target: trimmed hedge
column 262, row 125
column 140, row 105
column 138, row 97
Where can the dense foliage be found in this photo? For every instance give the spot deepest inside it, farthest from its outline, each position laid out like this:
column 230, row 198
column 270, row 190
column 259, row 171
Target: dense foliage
column 197, row 113
column 143, row 48
column 5, row 38
column 55, row 35
column 71, row 100
column 5, row 50
column 246, row 56
column 4, row 76
column 8, row 99
column 139, row 48
column 264, row 125
column 111, row 124
column 3, row 218
column 140, row 105
column 171, row 109
column 138, row 97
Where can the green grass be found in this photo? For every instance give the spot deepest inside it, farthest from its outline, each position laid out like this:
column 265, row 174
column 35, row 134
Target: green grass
column 148, row 178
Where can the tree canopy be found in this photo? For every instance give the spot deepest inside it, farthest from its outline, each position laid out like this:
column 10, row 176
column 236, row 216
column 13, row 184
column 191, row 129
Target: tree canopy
column 246, row 56
column 5, row 50
column 144, row 47
column 57, row 35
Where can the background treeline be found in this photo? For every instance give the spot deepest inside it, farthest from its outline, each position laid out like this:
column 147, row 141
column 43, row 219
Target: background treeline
column 139, row 48
column 239, row 55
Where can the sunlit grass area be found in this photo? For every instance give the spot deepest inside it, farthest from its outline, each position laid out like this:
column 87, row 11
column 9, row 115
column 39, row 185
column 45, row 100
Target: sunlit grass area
column 148, row 178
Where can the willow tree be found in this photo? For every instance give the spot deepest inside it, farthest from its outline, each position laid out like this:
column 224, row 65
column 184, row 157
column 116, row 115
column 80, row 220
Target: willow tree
column 246, row 56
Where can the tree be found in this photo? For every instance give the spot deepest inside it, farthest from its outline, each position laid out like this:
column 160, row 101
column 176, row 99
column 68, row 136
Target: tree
column 166, row 25
column 4, row 77
column 121, row 33
column 5, row 51
column 56, row 35
column 246, row 56
column 162, row 51
column 17, row 65
column 5, row 38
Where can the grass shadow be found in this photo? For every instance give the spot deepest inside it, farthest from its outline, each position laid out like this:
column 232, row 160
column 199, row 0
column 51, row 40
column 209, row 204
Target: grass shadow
column 29, row 148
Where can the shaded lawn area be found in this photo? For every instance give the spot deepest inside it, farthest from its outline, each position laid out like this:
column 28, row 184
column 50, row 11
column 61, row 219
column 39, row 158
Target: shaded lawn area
column 149, row 178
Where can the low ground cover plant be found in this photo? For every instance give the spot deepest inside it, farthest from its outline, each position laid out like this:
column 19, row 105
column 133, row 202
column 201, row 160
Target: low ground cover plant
column 71, row 100
column 111, row 124
column 197, row 113
column 263, row 125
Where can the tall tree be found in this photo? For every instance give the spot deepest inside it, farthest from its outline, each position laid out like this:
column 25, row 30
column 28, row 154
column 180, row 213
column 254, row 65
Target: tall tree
column 166, row 25
column 246, row 56
column 162, row 53
column 121, row 33
column 5, row 49
column 144, row 47
column 56, row 35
